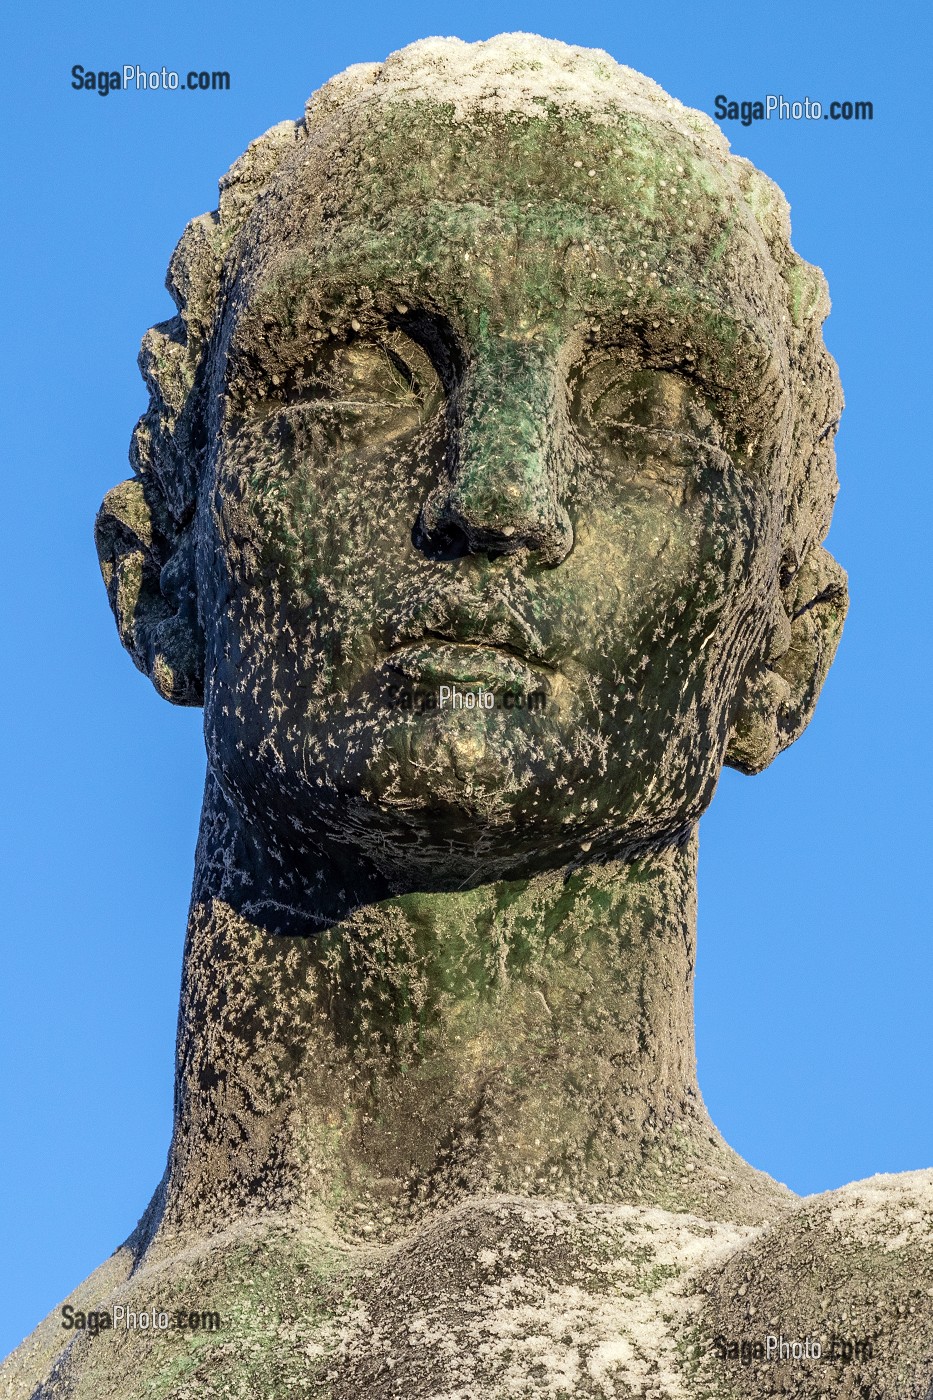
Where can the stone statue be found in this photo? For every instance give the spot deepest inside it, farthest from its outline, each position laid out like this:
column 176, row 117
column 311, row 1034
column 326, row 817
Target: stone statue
column 480, row 502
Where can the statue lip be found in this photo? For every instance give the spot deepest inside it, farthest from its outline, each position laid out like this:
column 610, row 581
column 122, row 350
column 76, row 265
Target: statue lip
column 434, row 658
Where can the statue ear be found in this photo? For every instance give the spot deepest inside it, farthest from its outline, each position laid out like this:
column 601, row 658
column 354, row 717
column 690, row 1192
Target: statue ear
column 148, row 567
column 781, row 694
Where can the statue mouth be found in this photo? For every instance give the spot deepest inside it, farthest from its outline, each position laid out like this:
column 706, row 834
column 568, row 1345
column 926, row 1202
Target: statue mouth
column 433, row 660
column 462, row 627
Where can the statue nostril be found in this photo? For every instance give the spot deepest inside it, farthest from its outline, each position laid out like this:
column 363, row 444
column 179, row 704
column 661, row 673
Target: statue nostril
column 446, row 541
column 467, row 514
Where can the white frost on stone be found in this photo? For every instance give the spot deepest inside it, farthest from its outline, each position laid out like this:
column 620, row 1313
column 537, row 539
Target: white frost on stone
column 521, row 75
column 895, row 1210
column 613, row 1328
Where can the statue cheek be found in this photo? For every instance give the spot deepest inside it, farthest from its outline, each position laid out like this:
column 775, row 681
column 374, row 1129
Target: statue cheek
column 636, row 569
column 666, row 594
column 316, row 508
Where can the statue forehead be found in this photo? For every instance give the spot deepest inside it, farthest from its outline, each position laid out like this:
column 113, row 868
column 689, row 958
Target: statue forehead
column 648, row 183
column 532, row 223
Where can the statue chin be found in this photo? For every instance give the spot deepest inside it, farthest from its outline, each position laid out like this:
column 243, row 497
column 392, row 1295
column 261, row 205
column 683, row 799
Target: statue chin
column 467, row 829
column 446, row 798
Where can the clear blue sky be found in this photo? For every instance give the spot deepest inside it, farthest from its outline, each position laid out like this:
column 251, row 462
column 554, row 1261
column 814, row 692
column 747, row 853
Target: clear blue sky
column 815, row 972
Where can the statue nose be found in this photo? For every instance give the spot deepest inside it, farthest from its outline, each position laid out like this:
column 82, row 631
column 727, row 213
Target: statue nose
column 508, row 463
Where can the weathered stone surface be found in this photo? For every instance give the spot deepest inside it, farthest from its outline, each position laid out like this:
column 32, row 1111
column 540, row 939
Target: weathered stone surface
column 496, row 372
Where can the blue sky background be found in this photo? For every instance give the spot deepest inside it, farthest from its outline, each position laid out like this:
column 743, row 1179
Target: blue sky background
column 815, row 972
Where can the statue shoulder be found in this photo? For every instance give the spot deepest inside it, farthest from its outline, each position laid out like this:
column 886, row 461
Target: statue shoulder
column 251, row 1309
column 506, row 1295
column 835, row 1298
column 24, row 1369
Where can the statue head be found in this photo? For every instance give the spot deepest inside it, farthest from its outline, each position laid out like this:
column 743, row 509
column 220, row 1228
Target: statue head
column 497, row 374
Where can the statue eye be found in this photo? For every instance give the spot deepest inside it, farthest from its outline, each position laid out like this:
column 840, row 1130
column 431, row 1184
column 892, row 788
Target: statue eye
column 389, row 375
column 650, row 428
column 615, row 402
column 385, row 378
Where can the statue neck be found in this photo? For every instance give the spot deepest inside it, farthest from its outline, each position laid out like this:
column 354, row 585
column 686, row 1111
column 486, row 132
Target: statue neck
column 532, row 1037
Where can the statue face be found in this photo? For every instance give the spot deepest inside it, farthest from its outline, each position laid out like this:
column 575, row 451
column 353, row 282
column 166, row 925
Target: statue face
column 502, row 413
